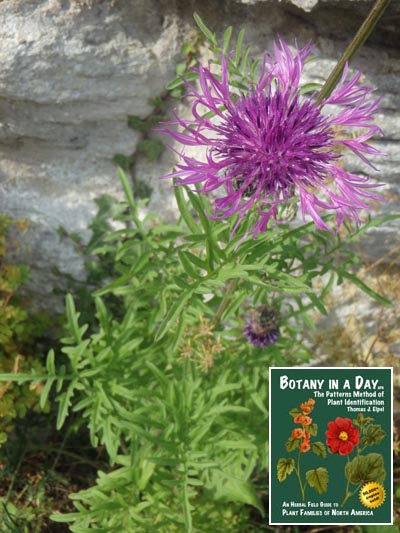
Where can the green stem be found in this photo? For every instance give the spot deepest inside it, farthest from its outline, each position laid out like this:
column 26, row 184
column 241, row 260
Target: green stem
column 186, row 503
column 349, row 494
column 131, row 201
column 299, row 477
column 358, row 40
column 185, row 447
column 225, row 301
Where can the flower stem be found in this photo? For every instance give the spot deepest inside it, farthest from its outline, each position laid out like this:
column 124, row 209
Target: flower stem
column 230, row 289
column 349, row 494
column 299, row 478
column 359, row 39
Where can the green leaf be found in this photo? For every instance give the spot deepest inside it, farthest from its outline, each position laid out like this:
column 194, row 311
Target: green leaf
column 137, row 123
column 318, row 479
column 180, row 68
column 184, row 209
column 284, row 468
column 123, row 161
column 195, row 260
column 194, row 482
column 255, row 396
column 312, row 429
column 119, row 282
column 188, row 265
column 292, row 444
column 151, row 149
column 317, row 303
column 177, row 93
column 188, row 48
column 69, row 517
column 129, row 196
column 20, row 377
column 231, row 488
column 172, row 314
column 50, row 363
column 72, row 317
column 236, row 445
column 203, row 28
column 239, row 46
column 46, row 391
column 372, row 434
column 179, row 81
column 362, row 420
column 244, row 62
column 64, row 400
column 198, row 204
column 361, row 285
column 158, row 374
column 366, row 468
column 319, row 449
column 310, row 88
column 227, row 39
column 294, row 412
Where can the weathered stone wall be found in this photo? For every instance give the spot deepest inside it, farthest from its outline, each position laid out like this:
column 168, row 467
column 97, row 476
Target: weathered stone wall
column 73, row 70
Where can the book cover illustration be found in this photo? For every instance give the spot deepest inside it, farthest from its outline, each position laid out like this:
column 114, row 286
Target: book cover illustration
column 330, row 446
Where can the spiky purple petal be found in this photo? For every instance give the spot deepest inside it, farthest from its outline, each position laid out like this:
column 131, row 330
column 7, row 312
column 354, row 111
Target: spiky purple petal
column 271, row 143
column 260, row 339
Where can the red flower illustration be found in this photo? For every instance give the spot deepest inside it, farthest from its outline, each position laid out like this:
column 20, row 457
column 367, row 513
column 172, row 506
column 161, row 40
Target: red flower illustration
column 342, row 436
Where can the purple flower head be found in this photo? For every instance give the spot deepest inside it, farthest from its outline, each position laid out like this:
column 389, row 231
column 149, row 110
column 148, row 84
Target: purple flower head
column 272, row 143
column 263, row 327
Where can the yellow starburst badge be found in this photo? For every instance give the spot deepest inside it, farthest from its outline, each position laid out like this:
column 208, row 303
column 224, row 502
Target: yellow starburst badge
column 372, row 494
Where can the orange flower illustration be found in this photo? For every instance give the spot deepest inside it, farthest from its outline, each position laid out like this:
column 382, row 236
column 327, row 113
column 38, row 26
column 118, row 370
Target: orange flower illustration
column 300, row 440
column 305, row 446
column 306, row 408
column 305, row 420
column 298, row 433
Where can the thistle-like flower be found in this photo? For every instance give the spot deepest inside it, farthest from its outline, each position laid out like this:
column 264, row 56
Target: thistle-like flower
column 263, row 327
column 271, row 144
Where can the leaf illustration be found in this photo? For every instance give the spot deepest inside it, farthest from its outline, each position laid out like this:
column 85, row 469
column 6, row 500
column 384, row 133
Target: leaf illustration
column 318, row 479
column 366, row 468
column 313, row 429
column 373, row 434
column 319, row 449
column 284, row 468
column 362, row 420
column 292, row 444
column 294, row 412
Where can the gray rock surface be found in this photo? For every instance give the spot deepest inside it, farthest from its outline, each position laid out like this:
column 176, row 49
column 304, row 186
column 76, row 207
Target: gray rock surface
column 73, row 70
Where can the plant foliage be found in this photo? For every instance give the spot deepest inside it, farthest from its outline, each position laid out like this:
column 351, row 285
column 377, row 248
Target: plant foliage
column 163, row 376
column 18, row 331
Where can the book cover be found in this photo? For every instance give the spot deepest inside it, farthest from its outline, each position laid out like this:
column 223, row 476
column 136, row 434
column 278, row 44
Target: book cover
column 330, row 446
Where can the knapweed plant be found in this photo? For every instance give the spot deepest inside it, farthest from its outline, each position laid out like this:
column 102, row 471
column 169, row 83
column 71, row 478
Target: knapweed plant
column 171, row 378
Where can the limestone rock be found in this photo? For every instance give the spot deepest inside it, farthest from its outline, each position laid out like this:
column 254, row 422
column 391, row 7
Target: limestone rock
column 71, row 73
